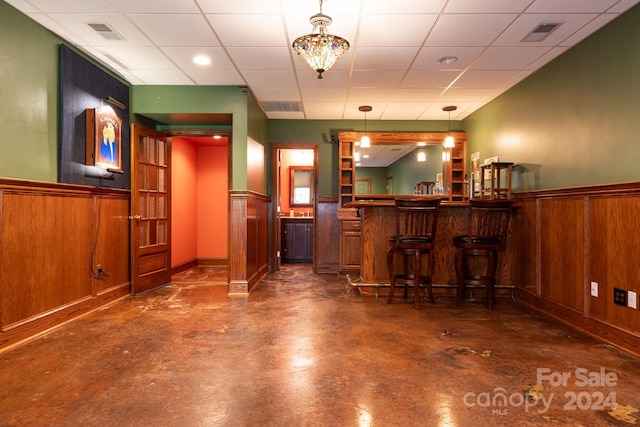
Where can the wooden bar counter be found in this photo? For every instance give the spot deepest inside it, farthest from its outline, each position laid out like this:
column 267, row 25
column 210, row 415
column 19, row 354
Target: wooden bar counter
column 378, row 223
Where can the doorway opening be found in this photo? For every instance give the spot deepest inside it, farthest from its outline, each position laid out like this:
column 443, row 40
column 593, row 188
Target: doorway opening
column 295, row 182
column 200, row 183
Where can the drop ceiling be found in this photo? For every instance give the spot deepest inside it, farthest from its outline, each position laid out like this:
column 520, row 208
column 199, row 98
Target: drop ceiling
column 392, row 64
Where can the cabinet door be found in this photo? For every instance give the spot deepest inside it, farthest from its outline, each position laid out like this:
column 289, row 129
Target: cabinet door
column 297, row 241
column 350, row 245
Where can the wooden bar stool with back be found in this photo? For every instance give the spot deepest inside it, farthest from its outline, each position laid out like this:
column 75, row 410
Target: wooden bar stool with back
column 414, row 238
column 487, row 228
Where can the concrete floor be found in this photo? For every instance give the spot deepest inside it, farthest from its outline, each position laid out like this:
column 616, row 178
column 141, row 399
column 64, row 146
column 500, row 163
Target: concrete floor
column 300, row 351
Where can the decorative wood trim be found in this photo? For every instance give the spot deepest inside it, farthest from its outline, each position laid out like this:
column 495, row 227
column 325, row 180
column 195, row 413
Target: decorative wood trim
column 625, row 339
column 582, row 234
column 41, row 286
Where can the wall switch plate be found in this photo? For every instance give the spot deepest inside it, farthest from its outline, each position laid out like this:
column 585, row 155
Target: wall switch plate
column 619, row 296
column 632, row 299
column 594, row 289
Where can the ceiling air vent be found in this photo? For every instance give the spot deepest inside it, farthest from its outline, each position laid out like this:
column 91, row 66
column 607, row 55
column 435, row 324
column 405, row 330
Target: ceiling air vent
column 105, row 31
column 284, row 106
column 541, row 32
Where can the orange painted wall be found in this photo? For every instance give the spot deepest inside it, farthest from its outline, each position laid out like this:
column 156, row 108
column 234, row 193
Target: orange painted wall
column 213, row 202
column 289, row 158
column 184, row 232
column 199, row 201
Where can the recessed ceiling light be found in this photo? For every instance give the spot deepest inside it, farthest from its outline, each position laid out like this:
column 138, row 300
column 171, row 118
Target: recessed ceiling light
column 448, row 60
column 202, row 60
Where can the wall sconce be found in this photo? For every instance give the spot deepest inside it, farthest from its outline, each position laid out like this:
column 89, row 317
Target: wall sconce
column 448, row 141
column 114, row 102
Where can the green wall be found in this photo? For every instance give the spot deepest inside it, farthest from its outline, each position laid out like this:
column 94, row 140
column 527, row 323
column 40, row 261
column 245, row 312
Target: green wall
column 571, row 123
column 29, row 94
column 150, row 100
column 321, row 131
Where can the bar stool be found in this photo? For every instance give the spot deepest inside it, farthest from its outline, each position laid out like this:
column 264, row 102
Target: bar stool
column 486, row 235
column 416, row 221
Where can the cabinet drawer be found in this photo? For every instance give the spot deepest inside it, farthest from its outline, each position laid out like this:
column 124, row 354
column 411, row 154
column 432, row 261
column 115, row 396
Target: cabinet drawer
column 350, row 225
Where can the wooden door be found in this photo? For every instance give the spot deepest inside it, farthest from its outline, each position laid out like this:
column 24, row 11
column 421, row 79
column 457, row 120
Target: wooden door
column 150, row 210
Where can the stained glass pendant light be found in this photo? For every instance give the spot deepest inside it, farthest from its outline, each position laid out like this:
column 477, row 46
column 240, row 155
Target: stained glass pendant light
column 319, row 49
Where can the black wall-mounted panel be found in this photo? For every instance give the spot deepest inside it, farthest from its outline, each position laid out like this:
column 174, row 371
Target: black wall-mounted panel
column 84, row 85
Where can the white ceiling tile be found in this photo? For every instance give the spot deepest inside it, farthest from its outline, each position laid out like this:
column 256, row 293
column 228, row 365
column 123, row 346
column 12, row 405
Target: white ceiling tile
column 159, row 6
column 487, row 6
column 526, row 23
column 484, row 79
column 380, row 78
column 79, row 25
column 548, row 57
column 57, row 28
column 509, row 58
column 270, row 93
column 183, row 57
column 427, row 58
column 261, row 58
column 73, row 6
column 407, row 95
column 573, row 6
column 486, row 28
column 238, row 6
column 395, row 30
column 399, row 6
column 322, row 110
column 398, row 110
column 146, row 58
column 332, row 78
column 384, row 58
column 176, row 30
column 162, row 77
column 433, row 79
column 249, row 30
column 273, row 78
column 364, row 95
column 22, row 5
column 391, row 64
column 323, row 94
column 216, row 77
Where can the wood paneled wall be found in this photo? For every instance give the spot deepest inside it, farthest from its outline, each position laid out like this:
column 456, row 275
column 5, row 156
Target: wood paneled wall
column 326, row 236
column 52, row 236
column 248, row 233
column 564, row 239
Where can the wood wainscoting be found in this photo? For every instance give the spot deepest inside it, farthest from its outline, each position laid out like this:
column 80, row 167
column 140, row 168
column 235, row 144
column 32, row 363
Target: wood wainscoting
column 52, row 238
column 248, row 240
column 326, row 236
column 564, row 239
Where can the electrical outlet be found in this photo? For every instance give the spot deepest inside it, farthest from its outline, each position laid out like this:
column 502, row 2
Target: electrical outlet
column 632, row 299
column 619, row 296
column 594, row 289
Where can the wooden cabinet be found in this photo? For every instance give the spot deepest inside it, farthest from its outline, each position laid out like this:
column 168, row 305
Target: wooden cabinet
column 297, row 240
column 350, row 247
column 454, row 170
column 347, row 172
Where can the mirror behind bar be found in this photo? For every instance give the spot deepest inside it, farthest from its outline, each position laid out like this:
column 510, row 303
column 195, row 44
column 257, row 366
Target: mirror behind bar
column 407, row 177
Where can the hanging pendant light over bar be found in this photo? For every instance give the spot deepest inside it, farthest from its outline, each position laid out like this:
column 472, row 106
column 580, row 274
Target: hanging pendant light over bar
column 365, row 142
column 319, row 49
column 448, row 141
